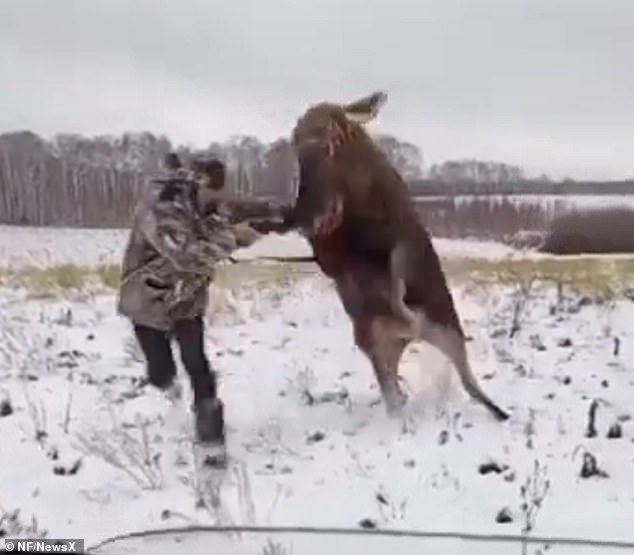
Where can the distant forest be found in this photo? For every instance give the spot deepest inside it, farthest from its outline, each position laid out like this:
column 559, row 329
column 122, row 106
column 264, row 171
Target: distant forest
column 78, row 181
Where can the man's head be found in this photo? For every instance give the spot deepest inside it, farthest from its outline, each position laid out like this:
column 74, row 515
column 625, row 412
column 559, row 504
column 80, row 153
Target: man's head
column 172, row 161
column 210, row 173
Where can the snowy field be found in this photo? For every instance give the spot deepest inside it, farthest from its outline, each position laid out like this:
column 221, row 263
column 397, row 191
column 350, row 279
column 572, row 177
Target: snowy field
column 41, row 246
column 88, row 450
column 549, row 202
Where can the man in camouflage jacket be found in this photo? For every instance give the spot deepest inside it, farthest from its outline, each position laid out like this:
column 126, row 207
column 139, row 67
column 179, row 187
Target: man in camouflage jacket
column 181, row 229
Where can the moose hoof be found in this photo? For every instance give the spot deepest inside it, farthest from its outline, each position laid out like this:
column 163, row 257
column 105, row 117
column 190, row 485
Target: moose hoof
column 394, row 403
column 500, row 415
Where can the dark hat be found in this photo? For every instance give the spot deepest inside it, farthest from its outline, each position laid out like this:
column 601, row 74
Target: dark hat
column 172, row 161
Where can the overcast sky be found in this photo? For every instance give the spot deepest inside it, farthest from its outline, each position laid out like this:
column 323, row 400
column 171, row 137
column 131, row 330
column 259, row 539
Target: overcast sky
column 547, row 84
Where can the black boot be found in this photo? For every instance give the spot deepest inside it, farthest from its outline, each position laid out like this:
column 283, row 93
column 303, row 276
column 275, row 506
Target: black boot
column 210, row 432
column 210, row 423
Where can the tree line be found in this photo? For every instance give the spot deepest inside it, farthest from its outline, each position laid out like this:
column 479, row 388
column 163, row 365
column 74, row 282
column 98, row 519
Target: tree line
column 77, row 181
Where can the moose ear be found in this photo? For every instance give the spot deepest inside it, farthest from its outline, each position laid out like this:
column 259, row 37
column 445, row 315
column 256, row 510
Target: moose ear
column 365, row 109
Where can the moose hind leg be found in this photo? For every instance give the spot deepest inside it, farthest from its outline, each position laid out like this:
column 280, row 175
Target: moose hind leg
column 398, row 262
column 452, row 344
column 384, row 349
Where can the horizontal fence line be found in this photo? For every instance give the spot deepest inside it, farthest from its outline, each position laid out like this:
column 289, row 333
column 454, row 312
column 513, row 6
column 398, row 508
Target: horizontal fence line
column 335, row 531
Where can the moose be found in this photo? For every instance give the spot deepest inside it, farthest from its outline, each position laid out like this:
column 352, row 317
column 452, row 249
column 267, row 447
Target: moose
column 357, row 214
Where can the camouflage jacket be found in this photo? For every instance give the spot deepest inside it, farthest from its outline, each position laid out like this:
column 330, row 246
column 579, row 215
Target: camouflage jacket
column 172, row 251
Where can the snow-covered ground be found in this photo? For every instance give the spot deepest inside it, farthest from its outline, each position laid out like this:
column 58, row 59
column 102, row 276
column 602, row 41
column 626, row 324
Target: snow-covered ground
column 40, row 246
column 549, row 202
column 89, row 451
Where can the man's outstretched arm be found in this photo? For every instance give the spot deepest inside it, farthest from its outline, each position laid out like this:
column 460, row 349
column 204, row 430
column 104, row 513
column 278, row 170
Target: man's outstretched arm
column 261, row 215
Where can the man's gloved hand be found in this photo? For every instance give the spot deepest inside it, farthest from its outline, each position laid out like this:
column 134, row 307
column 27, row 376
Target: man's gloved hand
column 245, row 235
column 226, row 240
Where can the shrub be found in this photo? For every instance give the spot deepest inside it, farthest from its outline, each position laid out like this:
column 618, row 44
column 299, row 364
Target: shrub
column 594, row 231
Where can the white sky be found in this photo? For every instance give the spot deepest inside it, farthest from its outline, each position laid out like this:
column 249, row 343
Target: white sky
column 546, row 84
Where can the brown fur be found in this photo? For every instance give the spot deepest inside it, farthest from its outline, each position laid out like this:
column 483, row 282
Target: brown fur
column 356, row 211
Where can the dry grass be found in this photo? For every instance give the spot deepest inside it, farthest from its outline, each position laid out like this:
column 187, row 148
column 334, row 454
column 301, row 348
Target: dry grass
column 53, row 279
column 235, row 277
column 63, row 276
column 129, row 450
column 605, row 275
column 602, row 274
column 14, row 525
column 110, row 275
column 245, row 291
